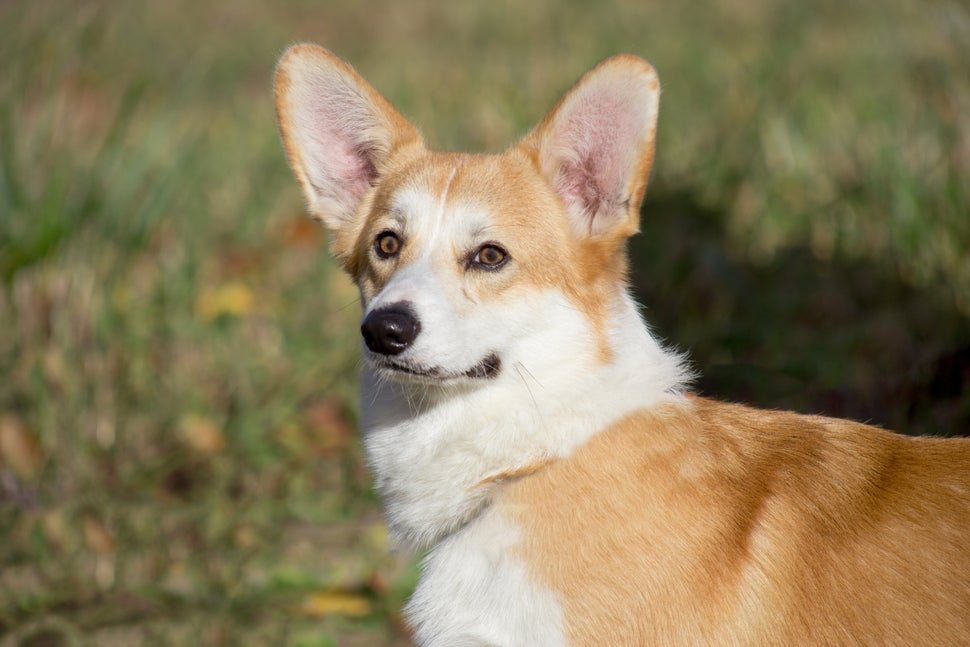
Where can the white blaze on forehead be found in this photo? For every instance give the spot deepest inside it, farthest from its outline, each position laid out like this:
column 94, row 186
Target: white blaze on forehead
column 440, row 215
column 424, row 211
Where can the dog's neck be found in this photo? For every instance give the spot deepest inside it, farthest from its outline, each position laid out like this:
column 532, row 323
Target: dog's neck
column 438, row 455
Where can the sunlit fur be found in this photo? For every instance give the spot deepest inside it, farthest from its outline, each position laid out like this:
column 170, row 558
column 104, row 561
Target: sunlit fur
column 575, row 495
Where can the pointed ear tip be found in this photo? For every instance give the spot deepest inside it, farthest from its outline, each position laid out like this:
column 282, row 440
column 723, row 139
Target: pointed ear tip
column 303, row 63
column 306, row 56
column 304, row 50
column 630, row 65
column 291, row 59
column 631, row 61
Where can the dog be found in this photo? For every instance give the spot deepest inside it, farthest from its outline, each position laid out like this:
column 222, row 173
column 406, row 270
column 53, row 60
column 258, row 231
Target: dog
column 524, row 427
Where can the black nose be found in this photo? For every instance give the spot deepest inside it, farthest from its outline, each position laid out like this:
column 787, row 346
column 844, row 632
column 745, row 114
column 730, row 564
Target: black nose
column 390, row 330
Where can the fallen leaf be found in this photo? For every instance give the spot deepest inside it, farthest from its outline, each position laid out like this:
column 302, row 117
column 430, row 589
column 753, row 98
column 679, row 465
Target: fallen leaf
column 240, row 262
column 327, row 428
column 19, row 448
column 301, row 232
column 233, row 298
column 97, row 537
column 202, row 434
column 55, row 528
column 245, row 537
column 336, row 603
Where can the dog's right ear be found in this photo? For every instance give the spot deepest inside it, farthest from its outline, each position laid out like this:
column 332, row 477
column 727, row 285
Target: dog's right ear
column 338, row 132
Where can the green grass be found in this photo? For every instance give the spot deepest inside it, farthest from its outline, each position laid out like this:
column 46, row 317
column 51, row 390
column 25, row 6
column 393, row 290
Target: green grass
column 178, row 352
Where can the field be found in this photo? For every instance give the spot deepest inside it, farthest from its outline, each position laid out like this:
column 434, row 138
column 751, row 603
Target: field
column 178, row 459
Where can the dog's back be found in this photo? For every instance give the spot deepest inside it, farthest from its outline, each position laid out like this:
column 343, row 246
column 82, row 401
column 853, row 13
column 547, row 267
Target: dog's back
column 707, row 523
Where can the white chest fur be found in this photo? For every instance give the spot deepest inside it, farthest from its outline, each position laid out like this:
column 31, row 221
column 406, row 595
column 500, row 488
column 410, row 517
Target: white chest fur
column 430, row 454
column 476, row 592
column 430, row 450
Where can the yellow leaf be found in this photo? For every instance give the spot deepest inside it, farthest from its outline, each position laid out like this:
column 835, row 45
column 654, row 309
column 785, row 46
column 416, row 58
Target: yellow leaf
column 336, row 603
column 233, row 298
column 377, row 537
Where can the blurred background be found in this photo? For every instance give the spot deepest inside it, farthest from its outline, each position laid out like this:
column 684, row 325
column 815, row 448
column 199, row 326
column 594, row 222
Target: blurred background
column 178, row 459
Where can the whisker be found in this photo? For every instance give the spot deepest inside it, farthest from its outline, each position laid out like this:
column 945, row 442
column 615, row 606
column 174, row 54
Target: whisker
column 529, row 373
column 347, row 305
column 518, row 366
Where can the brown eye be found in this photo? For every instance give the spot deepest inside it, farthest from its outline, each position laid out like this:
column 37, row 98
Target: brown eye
column 490, row 257
column 387, row 244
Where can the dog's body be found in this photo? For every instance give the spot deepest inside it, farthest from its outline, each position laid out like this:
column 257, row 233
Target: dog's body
column 521, row 421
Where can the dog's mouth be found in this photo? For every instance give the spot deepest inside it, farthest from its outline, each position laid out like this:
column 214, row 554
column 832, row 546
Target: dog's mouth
column 488, row 368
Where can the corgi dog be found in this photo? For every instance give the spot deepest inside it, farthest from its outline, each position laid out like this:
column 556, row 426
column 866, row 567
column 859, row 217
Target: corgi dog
column 524, row 427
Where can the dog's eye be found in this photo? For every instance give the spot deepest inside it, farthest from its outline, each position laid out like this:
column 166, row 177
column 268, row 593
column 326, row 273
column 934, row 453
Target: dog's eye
column 387, row 244
column 490, row 257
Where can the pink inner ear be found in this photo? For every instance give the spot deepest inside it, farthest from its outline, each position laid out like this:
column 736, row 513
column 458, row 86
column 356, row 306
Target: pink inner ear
column 340, row 163
column 595, row 146
column 351, row 169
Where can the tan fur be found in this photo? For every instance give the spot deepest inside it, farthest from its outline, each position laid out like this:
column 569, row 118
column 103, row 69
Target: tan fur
column 593, row 269
column 714, row 524
column 590, row 272
column 688, row 523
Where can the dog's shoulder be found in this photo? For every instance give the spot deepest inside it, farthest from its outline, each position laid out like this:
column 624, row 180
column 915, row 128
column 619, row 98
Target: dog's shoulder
column 695, row 517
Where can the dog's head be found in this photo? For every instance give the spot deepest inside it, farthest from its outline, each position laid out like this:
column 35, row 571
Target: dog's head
column 469, row 264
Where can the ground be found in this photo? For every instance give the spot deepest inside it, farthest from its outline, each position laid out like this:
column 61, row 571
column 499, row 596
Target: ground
column 178, row 458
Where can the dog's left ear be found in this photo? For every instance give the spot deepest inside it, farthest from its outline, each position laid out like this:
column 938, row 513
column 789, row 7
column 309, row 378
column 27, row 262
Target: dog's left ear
column 596, row 146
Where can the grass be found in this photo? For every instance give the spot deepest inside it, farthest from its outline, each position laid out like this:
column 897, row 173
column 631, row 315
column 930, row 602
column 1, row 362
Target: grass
column 177, row 403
